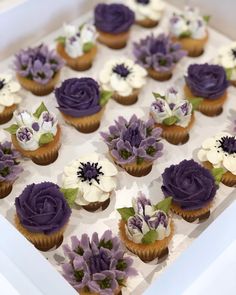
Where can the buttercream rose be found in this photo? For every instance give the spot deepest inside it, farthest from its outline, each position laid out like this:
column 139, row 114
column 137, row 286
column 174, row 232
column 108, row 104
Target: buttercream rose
column 113, row 18
column 42, row 208
column 190, row 185
column 207, row 81
column 78, row 97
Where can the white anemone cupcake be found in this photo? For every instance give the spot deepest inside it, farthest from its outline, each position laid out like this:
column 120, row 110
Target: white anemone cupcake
column 124, row 78
column 89, row 181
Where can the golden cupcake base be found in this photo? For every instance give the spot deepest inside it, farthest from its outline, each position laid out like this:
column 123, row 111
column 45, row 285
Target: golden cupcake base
column 147, row 23
column 5, row 189
column 83, row 292
column 114, row 41
column 94, row 206
column 127, row 100
column 159, row 76
column 7, row 114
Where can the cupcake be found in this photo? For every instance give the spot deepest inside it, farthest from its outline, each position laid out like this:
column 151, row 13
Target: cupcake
column 90, row 181
column 174, row 115
column 113, row 23
column 38, row 69
column 42, row 215
column 208, row 82
column 97, row 266
column 9, row 168
column 82, row 103
column 189, row 29
column 9, row 97
column 36, row 135
column 218, row 154
column 134, row 145
column 192, row 188
column 227, row 59
column 159, row 55
column 147, row 12
column 124, row 79
column 146, row 229
column 78, row 46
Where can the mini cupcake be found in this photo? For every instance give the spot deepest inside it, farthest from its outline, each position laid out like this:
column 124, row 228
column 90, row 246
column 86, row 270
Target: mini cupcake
column 146, row 229
column 148, row 13
column 90, row 181
column 78, row 46
column 81, row 103
column 42, row 215
column 189, row 29
column 36, row 135
column 124, row 79
column 9, row 168
column 134, row 145
column 218, row 154
column 192, row 188
column 38, row 69
column 174, row 115
column 97, row 266
column 113, row 23
column 227, row 59
column 208, row 82
column 159, row 55
column 9, row 98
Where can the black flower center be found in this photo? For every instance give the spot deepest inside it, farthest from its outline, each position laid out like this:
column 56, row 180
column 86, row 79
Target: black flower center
column 228, row 144
column 234, row 53
column 79, row 274
column 2, row 83
column 89, row 171
column 133, row 136
column 144, row 2
column 121, row 70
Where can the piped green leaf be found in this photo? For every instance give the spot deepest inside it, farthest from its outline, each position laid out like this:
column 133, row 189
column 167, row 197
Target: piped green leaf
column 126, row 212
column 185, row 34
column 70, row 195
column 12, row 129
column 61, row 40
column 217, row 174
column 206, row 18
column 229, row 73
column 150, row 237
column 170, row 121
column 158, row 95
column 87, row 46
column 104, row 97
column 46, row 138
column 195, row 102
column 164, row 205
column 42, row 108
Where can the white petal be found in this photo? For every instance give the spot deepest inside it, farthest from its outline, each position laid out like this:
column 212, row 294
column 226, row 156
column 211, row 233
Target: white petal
column 222, row 134
column 214, row 157
column 105, row 75
column 136, row 81
column 70, row 170
column 70, row 181
column 229, row 163
column 91, row 193
column 7, row 99
column 202, row 155
column 14, row 86
column 106, row 184
column 108, row 168
column 120, row 85
column 6, row 77
column 209, row 143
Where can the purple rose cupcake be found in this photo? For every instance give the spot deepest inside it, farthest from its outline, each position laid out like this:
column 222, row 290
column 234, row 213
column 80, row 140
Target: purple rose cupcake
column 82, row 103
column 208, row 82
column 42, row 214
column 113, row 22
column 192, row 188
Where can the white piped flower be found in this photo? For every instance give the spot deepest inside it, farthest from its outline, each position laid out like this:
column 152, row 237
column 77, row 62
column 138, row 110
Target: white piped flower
column 227, row 58
column 152, row 9
column 23, row 118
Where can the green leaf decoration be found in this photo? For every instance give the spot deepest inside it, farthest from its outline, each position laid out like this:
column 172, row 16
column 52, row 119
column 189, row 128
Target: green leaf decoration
column 195, row 102
column 46, row 138
column 81, row 26
column 170, row 121
column 87, row 46
column 42, row 108
column 206, row 18
column 150, row 237
column 12, row 129
column 164, row 205
column 70, row 195
column 61, row 40
column 158, row 95
column 104, row 97
column 126, row 212
column 217, row 174
column 185, row 34
column 229, row 72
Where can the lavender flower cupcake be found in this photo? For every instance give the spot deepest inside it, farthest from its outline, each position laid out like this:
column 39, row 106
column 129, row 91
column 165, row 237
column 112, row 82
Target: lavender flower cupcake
column 113, row 22
column 208, row 82
column 159, row 55
column 9, row 168
column 38, row 69
column 82, row 103
column 36, row 135
column 97, row 266
column 146, row 229
column 134, row 145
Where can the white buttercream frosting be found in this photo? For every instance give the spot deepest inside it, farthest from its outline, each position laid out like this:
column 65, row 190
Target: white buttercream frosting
column 150, row 9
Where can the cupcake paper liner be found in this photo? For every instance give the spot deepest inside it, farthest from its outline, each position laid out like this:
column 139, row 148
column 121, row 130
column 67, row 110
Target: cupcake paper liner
column 127, row 100
column 86, row 124
column 41, row 241
column 80, row 63
column 146, row 252
column 94, row 206
column 44, row 155
column 233, row 82
column 5, row 189
column 208, row 107
column 36, row 88
column 114, row 41
column 147, row 23
column 159, row 76
column 7, row 114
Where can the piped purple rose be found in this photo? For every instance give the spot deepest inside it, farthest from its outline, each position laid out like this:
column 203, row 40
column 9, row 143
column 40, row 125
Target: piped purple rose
column 113, row 18
column 207, row 81
column 42, row 208
column 190, row 185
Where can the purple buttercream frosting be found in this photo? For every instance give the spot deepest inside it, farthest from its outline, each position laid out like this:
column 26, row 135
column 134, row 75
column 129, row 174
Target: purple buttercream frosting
column 113, row 18
column 190, row 185
column 42, row 208
column 78, row 97
column 207, row 81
